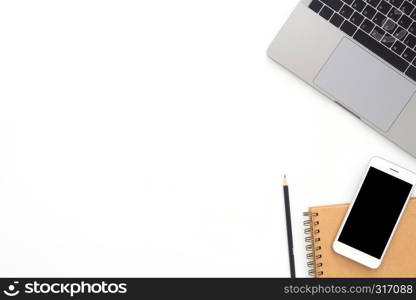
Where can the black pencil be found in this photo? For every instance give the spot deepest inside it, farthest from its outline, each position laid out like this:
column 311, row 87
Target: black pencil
column 289, row 228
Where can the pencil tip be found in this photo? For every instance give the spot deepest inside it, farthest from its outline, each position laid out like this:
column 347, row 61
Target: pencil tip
column 285, row 180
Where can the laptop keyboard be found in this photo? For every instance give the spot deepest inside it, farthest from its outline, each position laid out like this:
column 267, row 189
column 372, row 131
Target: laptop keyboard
column 385, row 27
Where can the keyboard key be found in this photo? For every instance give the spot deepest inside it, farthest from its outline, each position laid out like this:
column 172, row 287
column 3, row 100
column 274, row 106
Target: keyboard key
column 348, row 28
column 336, row 20
column 316, row 6
column 346, row 11
column 377, row 33
column 334, row 4
column 412, row 28
column 326, row 12
column 356, row 19
column 358, row 5
column 369, row 12
column 367, row 26
column 410, row 41
column 400, row 33
column 374, row 3
column 395, row 14
column 407, row 7
column 378, row 49
column 409, row 55
column 389, row 26
column 411, row 72
column 379, row 19
column 405, row 21
column 396, row 3
column 398, row 47
column 388, row 40
column 384, row 7
column 349, row 2
column 413, row 15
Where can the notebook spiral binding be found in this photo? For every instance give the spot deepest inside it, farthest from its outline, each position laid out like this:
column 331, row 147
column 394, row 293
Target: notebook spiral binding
column 312, row 244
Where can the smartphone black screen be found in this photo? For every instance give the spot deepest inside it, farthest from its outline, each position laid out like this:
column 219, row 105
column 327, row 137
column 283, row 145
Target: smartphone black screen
column 375, row 212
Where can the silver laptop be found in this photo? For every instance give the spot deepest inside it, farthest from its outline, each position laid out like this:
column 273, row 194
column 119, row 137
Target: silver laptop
column 362, row 55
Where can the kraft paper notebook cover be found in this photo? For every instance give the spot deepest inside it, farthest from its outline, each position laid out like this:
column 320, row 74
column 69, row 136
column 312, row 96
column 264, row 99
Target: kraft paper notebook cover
column 322, row 227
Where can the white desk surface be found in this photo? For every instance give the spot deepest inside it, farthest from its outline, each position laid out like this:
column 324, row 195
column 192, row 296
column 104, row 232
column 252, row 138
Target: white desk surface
column 149, row 138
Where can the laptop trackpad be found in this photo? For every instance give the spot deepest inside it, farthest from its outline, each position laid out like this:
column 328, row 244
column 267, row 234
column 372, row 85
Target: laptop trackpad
column 365, row 85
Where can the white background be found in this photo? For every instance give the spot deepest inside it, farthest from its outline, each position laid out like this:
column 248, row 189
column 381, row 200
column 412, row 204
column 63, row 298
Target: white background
column 149, row 138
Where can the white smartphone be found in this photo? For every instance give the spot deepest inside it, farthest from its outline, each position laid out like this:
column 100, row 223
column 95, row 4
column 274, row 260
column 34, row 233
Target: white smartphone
column 373, row 216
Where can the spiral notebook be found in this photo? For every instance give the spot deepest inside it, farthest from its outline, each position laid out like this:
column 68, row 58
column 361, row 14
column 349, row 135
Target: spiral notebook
column 322, row 226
